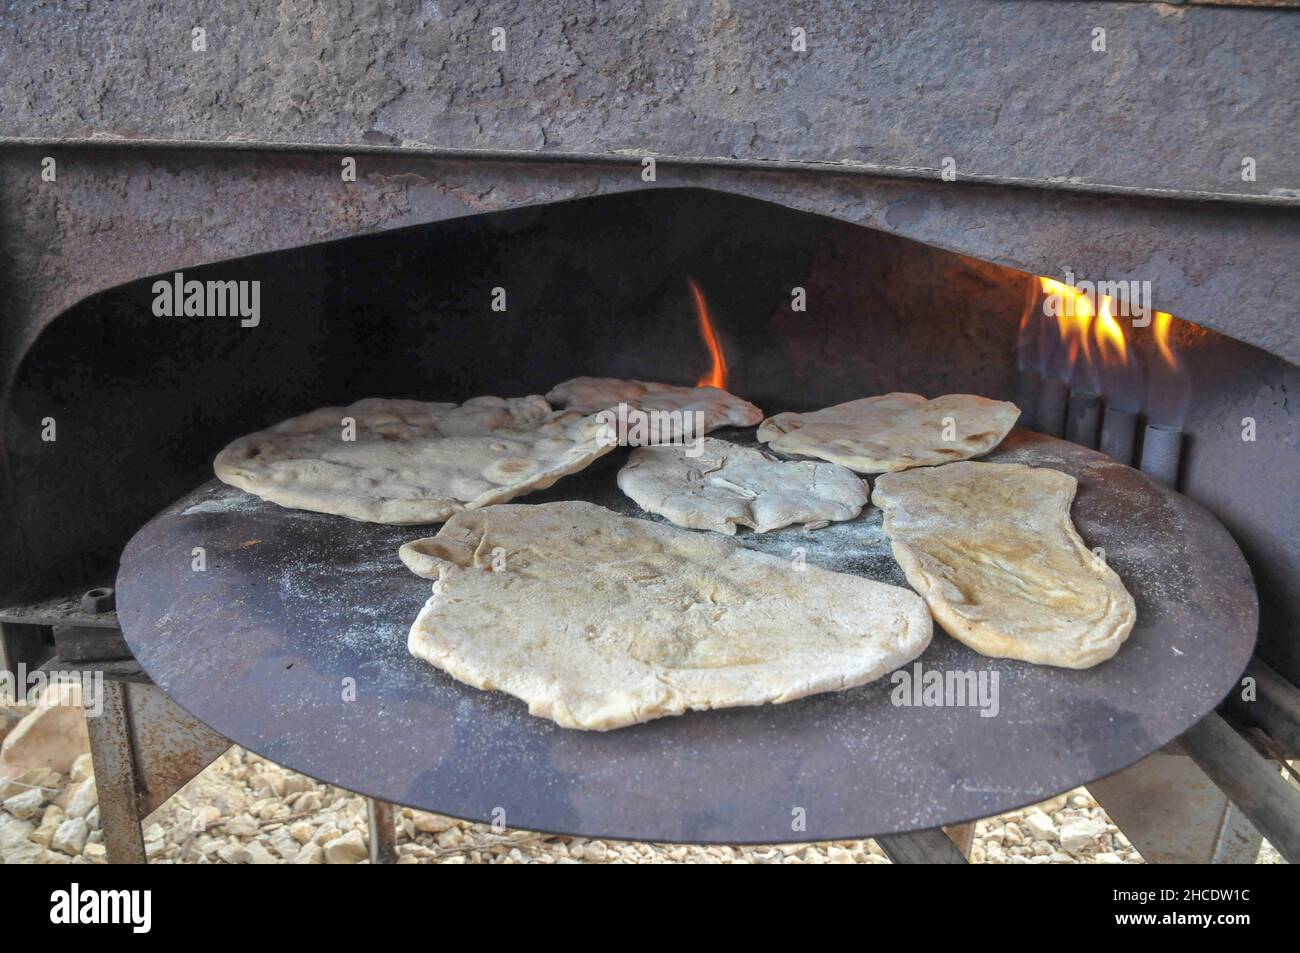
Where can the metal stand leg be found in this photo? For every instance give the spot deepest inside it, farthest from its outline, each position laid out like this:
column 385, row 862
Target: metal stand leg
column 921, row 847
column 383, row 831
column 112, row 751
column 145, row 748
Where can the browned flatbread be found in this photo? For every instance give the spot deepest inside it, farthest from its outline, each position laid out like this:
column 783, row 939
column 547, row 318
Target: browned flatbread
column 992, row 550
column 894, row 431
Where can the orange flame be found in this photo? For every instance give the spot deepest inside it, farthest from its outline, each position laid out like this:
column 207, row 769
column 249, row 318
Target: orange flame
column 1170, row 393
column 717, row 376
column 1074, row 320
column 1110, row 337
column 1161, row 326
column 1085, row 345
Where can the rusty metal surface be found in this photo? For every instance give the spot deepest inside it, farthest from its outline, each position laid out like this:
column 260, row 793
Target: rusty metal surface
column 78, row 643
column 170, row 745
column 145, row 748
column 381, row 818
column 113, row 754
column 292, row 643
column 57, row 610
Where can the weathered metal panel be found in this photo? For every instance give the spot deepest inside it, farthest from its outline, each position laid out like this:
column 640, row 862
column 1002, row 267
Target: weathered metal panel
column 171, row 746
column 1176, row 99
column 1174, row 814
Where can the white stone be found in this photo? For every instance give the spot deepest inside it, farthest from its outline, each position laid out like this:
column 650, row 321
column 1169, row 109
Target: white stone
column 310, row 854
column 203, row 817
column 83, row 767
column 295, row 783
column 27, row 804
column 44, row 834
column 348, row 849
column 14, row 831
column 301, row 832
column 49, row 736
column 71, row 835
column 30, row 853
column 326, row 833
column 1078, row 833
column 243, row 826
column 83, row 799
column 1040, row 826
column 283, row 843
column 257, row 854
column 235, row 853
column 306, row 803
column 432, row 823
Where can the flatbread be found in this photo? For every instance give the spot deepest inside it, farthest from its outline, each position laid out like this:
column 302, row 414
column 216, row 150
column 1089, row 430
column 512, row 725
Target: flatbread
column 589, row 395
column 992, row 550
column 412, row 462
column 726, row 486
column 599, row 621
column 893, row 432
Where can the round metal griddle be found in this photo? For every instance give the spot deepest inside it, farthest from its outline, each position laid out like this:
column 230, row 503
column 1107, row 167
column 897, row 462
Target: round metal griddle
column 292, row 643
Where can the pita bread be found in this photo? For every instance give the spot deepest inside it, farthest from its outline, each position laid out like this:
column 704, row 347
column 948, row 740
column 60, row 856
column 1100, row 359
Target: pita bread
column 411, row 462
column 589, row 395
column 992, row 550
column 599, row 621
column 893, row 432
column 726, row 486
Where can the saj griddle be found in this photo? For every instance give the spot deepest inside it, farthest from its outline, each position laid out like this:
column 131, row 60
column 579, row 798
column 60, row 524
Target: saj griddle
column 291, row 641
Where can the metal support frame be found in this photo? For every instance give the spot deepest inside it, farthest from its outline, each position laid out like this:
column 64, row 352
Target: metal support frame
column 1172, row 812
column 1250, row 780
column 921, row 847
column 1274, row 707
column 145, row 748
column 113, row 752
column 382, row 818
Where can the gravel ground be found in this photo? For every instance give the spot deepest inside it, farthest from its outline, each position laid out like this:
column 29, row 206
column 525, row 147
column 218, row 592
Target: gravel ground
column 244, row 809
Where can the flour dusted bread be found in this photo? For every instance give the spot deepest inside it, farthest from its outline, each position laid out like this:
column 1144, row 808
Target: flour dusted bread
column 992, row 550
column 589, row 395
column 894, row 431
column 410, row 461
column 726, row 486
column 599, row 621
